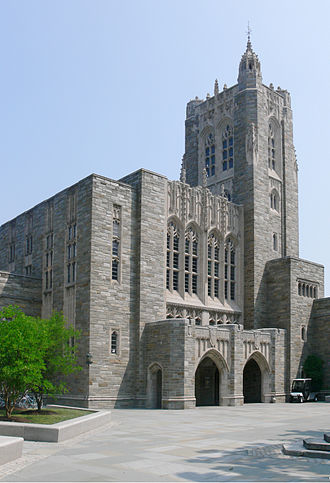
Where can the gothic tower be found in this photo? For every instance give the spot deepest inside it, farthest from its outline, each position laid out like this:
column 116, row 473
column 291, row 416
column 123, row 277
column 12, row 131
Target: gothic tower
column 243, row 138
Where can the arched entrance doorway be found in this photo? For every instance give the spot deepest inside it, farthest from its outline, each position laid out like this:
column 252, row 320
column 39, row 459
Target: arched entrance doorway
column 252, row 382
column 207, row 383
column 155, row 387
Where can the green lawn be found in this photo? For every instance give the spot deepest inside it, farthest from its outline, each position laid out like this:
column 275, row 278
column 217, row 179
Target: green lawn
column 47, row 415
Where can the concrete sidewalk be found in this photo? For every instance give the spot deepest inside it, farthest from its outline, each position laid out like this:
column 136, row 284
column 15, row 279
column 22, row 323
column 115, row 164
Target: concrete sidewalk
column 203, row 444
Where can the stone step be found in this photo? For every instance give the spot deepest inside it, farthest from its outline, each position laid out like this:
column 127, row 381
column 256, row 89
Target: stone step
column 327, row 437
column 316, row 444
column 298, row 449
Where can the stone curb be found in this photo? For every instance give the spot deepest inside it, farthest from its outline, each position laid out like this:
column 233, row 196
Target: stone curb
column 10, row 449
column 54, row 433
column 298, row 449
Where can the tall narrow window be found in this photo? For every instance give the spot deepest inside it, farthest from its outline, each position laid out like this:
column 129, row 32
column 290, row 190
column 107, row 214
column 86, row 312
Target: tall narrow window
column 114, row 342
column 71, row 253
column 275, row 242
column 213, row 260
column 12, row 244
column 116, row 239
column 227, row 148
column 274, row 200
column 172, row 258
column 48, row 260
column 230, row 271
column 12, row 252
column 191, row 262
column 271, row 148
column 210, row 155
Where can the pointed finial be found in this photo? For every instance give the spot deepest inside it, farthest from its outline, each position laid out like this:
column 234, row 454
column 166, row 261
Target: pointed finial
column 216, row 87
column 204, row 178
column 183, row 175
column 249, row 46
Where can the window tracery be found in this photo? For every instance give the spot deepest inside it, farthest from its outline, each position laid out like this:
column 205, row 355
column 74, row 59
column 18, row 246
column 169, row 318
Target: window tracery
column 230, row 271
column 191, row 262
column 227, row 148
column 213, row 263
column 271, row 148
column 210, row 155
column 172, row 257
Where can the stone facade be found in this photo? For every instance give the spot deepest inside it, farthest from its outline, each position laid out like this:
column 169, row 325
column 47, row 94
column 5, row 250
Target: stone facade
column 185, row 292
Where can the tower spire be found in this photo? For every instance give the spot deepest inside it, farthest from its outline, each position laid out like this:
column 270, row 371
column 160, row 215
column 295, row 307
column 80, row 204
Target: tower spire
column 249, row 69
column 249, row 30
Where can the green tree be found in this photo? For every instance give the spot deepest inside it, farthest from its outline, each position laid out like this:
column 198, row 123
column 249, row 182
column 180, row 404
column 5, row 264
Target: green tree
column 313, row 368
column 22, row 348
column 60, row 359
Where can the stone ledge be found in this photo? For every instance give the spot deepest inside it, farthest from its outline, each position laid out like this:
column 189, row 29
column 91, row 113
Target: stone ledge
column 298, row 449
column 10, row 449
column 54, row 433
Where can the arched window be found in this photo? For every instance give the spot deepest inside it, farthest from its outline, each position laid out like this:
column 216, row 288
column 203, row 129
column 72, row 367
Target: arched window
column 210, row 155
column 191, row 261
column 271, row 148
column 227, row 148
column 303, row 332
column 230, row 270
column 213, row 263
column 274, row 200
column 275, row 242
column 172, row 258
column 114, row 342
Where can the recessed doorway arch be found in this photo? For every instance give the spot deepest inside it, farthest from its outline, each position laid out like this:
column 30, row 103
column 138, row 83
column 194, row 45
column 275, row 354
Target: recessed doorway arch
column 210, row 379
column 256, row 379
column 154, row 386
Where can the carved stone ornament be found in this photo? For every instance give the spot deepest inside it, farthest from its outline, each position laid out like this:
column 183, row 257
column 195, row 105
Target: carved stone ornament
column 213, row 336
column 251, row 144
column 256, row 341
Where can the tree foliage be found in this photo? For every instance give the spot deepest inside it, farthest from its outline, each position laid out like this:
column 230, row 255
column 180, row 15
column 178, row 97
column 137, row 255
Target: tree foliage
column 35, row 355
column 60, row 357
column 313, row 368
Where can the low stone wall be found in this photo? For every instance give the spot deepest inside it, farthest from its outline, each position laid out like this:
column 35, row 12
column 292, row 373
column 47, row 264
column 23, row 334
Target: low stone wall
column 54, row 433
column 10, row 449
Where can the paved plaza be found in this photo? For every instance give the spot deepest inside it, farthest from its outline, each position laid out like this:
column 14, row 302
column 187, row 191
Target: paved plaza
column 203, row 444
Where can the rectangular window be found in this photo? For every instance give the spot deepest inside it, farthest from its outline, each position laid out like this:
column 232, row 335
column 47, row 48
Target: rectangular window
column 216, row 269
column 115, row 248
column 194, row 283
column 209, row 285
column 69, row 273
column 114, row 270
column 232, row 291
column 216, row 288
column 186, row 282
column 175, row 280
column 73, row 271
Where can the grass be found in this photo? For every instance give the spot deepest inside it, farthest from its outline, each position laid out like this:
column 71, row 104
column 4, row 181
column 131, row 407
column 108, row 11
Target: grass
column 47, row 415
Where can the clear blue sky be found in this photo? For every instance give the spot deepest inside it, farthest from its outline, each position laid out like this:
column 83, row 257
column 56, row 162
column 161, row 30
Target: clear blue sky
column 101, row 86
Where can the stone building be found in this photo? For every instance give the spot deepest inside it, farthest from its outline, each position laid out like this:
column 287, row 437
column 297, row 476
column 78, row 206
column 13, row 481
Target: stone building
column 186, row 292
